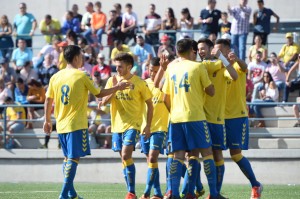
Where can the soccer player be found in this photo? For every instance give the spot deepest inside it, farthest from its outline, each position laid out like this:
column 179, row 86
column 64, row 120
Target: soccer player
column 68, row 89
column 236, row 121
column 127, row 108
column 185, row 84
column 152, row 146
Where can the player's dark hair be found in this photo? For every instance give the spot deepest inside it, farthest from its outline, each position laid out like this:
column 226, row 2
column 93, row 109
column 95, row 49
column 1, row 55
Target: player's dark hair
column 125, row 57
column 155, row 61
column 224, row 42
column 195, row 46
column 70, row 52
column 184, row 46
column 208, row 42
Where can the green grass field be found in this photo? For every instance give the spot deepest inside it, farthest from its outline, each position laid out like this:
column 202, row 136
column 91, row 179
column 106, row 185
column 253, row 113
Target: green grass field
column 118, row 191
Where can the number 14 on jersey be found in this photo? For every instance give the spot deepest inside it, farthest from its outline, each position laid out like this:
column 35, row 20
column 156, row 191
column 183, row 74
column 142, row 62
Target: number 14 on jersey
column 184, row 82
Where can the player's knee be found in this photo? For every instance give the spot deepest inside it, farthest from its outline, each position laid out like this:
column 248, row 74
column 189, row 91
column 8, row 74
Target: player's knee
column 153, row 159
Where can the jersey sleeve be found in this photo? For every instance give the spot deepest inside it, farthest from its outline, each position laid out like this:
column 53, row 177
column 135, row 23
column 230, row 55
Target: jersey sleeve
column 204, row 79
column 166, row 87
column 145, row 91
column 213, row 66
column 88, row 82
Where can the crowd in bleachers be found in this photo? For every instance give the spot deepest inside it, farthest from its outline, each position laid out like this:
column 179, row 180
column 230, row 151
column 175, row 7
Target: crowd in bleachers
column 24, row 76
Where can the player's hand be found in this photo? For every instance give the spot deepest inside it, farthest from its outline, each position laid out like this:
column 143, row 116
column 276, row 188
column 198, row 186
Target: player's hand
column 47, row 127
column 215, row 52
column 146, row 132
column 164, row 62
column 99, row 105
column 124, row 85
column 232, row 57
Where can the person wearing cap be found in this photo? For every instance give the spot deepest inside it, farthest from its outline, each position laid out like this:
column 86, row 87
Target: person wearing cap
column 166, row 48
column 152, row 25
column 262, row 22
column 62, row 63
column 289, row 52
column 102, row 68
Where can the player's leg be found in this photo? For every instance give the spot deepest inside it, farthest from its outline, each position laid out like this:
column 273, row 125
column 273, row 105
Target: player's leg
column 168, row 165
column 199, row 186
column 145, row 148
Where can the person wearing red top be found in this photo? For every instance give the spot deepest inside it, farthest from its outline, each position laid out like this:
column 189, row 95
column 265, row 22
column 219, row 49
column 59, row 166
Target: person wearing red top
column 103, row 69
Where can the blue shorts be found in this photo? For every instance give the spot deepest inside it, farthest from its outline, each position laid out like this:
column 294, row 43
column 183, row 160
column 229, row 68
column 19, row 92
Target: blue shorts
column 237, row 133
column 189, row 135
column 218, row 135
column 155, row 142
column 127, row 138
column 75, row 144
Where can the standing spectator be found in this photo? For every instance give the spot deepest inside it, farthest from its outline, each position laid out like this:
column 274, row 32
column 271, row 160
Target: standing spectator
column 28, row 73
column 6, row 42
column 143, row 53
column 50, row 27
column 129, row 24
column 102, row 68
column 118, row 9
column 289, row 52
column 70, row 23
column 86, row 18
column 7, row 73
column 186, row 23
column 225, row 25
column 262, row 22
column 276, row 69
column 21, row 56
column 258, row 46
column 292, row 85
column 47, row 70
column 209, row 18
column 75, row 12
column 166, row 48
column 97, row 28
column 256, row 69
column 114, row 28
column 240, row 27
column 152, row 25
column 24, row 25
column 170, row 23
column 21, row 91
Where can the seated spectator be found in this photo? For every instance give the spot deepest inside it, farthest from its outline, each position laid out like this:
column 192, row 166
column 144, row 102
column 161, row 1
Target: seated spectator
column 255, row 73
column 289, row 52
column 152, row 24
column 86, row 18
column 36, row 95
column 118, row 8
column 276, row 69
column 47, row 70
column 28, row 73
column 258, row 47
column 4, row 93
column 21, row 56
column 294, row 84
column 62, row 63
column 225, row 25
column 186, row 23
column 88, row 50
column 50, row 27
column 114, row 28
column 71, row 37
column 129, row 24
column 143, row 52
column 86, row 67
column 268, row 93
column 7, row 73
column 119, row 47
column 166, row 48
column 249, row 90
column 13, row 126
column 70, row 23
column 296, row 109
column 170, row 23
column 21, row 91
column 102, row 68
column 6, row 42
column 75, row 12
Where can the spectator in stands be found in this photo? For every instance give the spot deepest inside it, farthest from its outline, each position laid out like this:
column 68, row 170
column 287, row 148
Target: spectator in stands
column 27, row 73
column 86, row 18
column 86, row 67
column 227, row 36
column 152, row 25
column 268, row 93
column 258, row 46
column 209, row 18
column 21, row 56
column 276, row 69
column 256, row 69
column 102, row 68
column 166, row 48
column 249, row 90
column 97, row 28
column 21, row 91
column 62, row 63
column 225, row 25
column 296, row 109
column 4, row 93
column 129, row 24
column 70, row 23
column 13, row 126
column 36, row 95
column 292, row 85
column 289, row 52
column 75, row 12
column 118, row 9
column 50, row 27
column 7, row 73
column 88, row 50
column 6, row 42
column 114, row 28
column 170, row 23
column 143, row 53
column 262, row 22
column 240, row 26
column 24, row 25
column 71, row 37
column 47, row 70
column 119, row 48
column 186, row 23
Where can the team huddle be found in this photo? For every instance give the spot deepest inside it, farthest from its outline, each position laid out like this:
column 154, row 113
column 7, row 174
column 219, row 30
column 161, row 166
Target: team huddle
column 190, row 107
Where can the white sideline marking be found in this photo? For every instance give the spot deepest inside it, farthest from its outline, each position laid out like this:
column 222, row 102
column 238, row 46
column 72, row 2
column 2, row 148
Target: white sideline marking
column 14, row 192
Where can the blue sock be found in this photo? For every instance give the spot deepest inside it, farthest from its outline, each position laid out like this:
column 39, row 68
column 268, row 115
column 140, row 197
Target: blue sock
column 175, row 175
column 168, row 166
column 151, row 175
column 192, row 174
column 210, row 172
column 220, row 168
column 184, row 169
column 246, row 168
column 185, row 185
column 199, row 185
column 69, row 175
column 125, row 175
column 156, row 185
column 130, row 171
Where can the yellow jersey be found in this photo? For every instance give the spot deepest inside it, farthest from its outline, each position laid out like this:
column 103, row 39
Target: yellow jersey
column 214, row 107
column 160, row 118
column 287, row 52
column 13, row 113
column 69, row 89
column 236, row 106
column 185, row 82
column 127, row 106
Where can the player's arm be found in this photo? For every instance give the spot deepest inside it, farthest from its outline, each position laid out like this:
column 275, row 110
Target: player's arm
column 210, row 90
column 147, row 128
column 160, row 73
column 233, row 58
column 294, row 67
column 48, row 107
column 167, row 101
